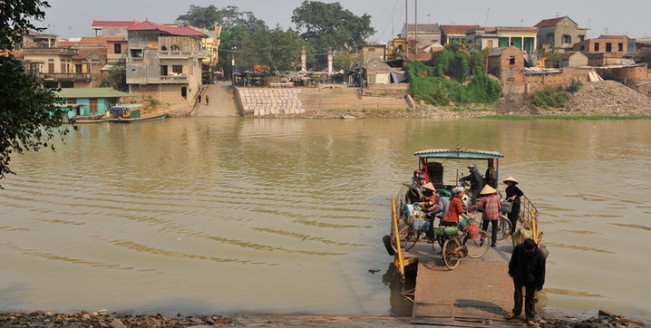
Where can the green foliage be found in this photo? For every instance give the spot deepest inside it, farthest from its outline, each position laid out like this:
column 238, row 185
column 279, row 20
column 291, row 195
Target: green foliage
column 28, row 115
column 477, row 61
column 459, row 68
column 344, row 60
column 278, row 49
column 116, row 78
column 327, row 26
column 645, row 57
column 16, row 17
column 575, row 86
column 227, row 17
column 425, row 85
column 563, row 117
column 550, row 97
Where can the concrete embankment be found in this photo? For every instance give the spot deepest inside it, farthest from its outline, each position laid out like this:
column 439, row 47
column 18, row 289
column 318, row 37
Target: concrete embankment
column 280, row 101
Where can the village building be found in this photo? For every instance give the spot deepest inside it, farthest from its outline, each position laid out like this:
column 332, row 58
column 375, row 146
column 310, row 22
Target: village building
column 112, row 28
column 507, row 64
column 571, row 59
column 165, row 62
column 90, row 101
column 605, row 50
column 456, row 33
column 559, row 33
column 415, row 38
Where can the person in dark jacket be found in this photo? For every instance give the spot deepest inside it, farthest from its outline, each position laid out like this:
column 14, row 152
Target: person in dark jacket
column 527, row 269
column 513, row 194
column 416, row 192
column 476, row 182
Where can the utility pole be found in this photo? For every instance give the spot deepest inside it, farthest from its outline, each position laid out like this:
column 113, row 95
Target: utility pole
column 407, row 27
column 416, row 29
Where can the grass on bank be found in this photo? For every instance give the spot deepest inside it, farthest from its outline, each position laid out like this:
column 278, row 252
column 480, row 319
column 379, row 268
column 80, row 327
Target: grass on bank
column 564, row 117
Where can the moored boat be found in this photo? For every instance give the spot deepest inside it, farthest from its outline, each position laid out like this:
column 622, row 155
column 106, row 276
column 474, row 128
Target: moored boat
column 130, row 113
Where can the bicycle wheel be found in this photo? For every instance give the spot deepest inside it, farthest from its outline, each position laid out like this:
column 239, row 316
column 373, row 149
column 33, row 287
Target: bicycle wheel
column 451, row 253
column 410, row 238
column 503, row 228
column 477, row 247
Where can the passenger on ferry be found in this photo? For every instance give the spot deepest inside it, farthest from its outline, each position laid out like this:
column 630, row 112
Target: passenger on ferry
column 416, row 192
column 439, row 211
column 513, row 194
column 489, row 201
column 476, row 182
column 429, row 205
column 451, row 219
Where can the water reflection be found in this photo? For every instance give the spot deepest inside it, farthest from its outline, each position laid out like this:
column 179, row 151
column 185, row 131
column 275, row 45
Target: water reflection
column 265, row 214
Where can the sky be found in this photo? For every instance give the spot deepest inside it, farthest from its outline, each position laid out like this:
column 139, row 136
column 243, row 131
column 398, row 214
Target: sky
column 73, row 18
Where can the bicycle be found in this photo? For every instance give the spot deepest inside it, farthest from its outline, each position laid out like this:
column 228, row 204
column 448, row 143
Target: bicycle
column 457, row 244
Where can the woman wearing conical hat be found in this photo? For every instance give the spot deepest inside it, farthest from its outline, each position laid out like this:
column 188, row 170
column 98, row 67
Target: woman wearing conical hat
column 490, row 202
column 513, row 194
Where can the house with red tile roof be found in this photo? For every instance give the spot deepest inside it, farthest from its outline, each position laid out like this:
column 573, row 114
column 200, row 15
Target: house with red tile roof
column 165, row 62
column 559, row 33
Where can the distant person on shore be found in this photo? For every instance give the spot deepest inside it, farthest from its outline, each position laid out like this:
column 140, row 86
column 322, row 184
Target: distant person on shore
column 489, row 201
column 527, row 269
column 513, row 194
column 198, row 98
column 207, row 100
column 476, row 182
column 455, row 210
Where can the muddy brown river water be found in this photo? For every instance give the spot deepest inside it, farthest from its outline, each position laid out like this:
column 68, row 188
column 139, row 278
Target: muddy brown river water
column 212, row 215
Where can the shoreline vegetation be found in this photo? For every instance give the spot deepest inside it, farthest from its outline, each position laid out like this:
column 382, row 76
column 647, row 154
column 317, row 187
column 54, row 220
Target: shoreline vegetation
column 107, row 319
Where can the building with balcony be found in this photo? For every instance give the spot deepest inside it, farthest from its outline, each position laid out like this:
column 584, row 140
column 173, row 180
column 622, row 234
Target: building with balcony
column 165, row 62
column 559, row 33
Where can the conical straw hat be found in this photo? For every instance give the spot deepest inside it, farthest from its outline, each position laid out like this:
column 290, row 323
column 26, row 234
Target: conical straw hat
column 487, row 190
column 511, row 179
column 429, row 186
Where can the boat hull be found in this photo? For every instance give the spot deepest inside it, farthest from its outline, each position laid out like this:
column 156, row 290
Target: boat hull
column 139, row 119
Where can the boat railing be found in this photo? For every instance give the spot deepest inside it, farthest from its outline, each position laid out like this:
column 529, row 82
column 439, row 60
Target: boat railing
column 400, row 260
column 529, row 217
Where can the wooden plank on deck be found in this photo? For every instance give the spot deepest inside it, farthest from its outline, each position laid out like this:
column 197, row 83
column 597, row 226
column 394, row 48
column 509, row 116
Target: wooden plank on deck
column 478, row 293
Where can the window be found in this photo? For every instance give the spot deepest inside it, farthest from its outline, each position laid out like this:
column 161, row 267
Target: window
column 581, row 37
column 50, row 65
column 566, row 39
column 178, row 69
column 596, row 47
column 117, row 48
column 136, row 53
column 79, row 68
column 175, row 48
column 512, row 60
column 620, row 47
column 609, row 47
column 163, row 70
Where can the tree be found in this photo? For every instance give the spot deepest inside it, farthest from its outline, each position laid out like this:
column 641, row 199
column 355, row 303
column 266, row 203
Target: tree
column 328, row 26
column 227, row 17
column 116, row 78
column 344, row 60
column 645, row 57
column 29, row 118
column 278, row 49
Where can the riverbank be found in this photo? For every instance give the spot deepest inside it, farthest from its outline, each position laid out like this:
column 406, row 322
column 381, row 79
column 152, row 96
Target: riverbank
column 604, row 99
column 123, row 320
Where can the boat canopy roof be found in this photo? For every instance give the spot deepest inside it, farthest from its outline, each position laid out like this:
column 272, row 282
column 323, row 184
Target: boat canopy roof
column 125, row 106
column 458, row 153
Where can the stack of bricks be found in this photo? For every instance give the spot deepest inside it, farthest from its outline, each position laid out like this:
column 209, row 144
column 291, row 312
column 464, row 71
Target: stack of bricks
column 271, row 101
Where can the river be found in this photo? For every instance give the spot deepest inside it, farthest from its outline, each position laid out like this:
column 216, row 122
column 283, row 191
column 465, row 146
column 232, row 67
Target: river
column 224, row 215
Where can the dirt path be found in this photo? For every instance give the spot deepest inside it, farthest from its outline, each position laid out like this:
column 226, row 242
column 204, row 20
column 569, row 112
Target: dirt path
column 220, row 101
